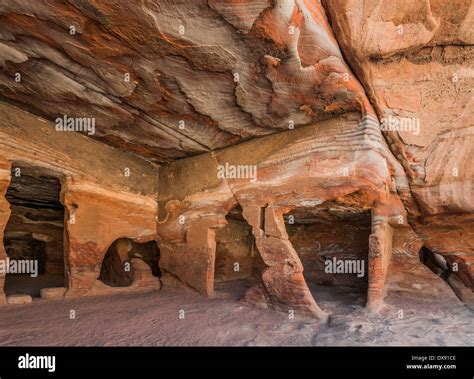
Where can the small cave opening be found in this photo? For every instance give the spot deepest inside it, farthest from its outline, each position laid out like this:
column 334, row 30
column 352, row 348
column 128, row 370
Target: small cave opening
column 117, row 269
column 34, row 234
column 448, row 270
column 238, row 265
column 435, row 262
column 332, row 242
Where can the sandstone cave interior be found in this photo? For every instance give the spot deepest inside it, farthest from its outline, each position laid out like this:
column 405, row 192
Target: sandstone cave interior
column 216, row 157
column 331, row 232
column 35, row 230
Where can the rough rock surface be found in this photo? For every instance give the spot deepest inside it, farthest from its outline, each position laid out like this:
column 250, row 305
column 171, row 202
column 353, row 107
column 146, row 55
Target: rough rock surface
column 19, row 299
column 53, row 293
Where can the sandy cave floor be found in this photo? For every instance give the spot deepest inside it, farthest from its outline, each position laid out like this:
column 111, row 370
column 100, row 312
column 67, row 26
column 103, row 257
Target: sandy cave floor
column 152, row 319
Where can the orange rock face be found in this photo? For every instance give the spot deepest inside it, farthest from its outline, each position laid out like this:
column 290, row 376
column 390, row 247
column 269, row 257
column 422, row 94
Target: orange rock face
column 415, row 61
column 314, row 133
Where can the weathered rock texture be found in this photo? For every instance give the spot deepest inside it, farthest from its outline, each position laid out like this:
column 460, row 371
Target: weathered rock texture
column 415, row 60
column 356, row 115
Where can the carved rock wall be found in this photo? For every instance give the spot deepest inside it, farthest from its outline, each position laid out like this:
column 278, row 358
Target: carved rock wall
column 295, row 169
column 102, row 203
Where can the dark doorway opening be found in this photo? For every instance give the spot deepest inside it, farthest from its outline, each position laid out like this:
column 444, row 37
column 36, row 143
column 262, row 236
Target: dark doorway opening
column 34, row 234
column 435, row 262
column 447, row 269
column 332, row 242
column 238, row 265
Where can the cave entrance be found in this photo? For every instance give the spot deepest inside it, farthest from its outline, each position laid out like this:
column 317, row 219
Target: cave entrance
column 448, row 271
column 332, row 242
column 34, row 233
column 238, row 265
column 117, row 270
column 435, row 262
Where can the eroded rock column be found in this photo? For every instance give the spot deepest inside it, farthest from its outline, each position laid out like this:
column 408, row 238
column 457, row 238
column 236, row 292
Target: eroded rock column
column 284, row 286
column 188, row 250
column 5, row 177
column 380, row 252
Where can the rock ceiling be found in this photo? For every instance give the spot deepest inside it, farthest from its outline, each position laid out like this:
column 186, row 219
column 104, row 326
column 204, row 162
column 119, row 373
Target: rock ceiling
column 169, row 79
